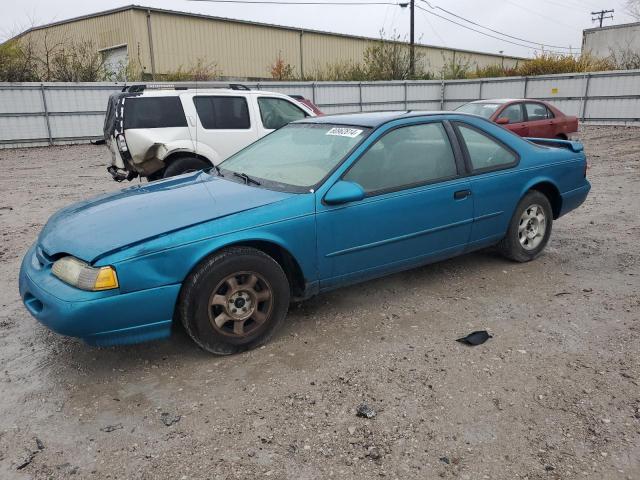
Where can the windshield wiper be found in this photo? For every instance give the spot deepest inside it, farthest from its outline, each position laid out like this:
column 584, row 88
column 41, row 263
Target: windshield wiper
column 247, row 179
column 218, row 171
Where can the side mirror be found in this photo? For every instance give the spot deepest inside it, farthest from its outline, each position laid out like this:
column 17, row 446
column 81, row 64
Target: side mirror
column 502, row 121
column 344, row 192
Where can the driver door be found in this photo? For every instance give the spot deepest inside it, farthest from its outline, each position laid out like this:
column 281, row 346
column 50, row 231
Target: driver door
column 417, row 208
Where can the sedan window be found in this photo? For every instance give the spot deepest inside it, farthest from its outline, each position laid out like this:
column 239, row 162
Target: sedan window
column 513, row 113
column 536, row 111
column 485, row 110
column 485, row 152
column 405, row 156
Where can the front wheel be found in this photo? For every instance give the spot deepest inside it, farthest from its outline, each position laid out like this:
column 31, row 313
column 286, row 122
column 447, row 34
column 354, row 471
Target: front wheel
column 234, row 300
column 530, row 228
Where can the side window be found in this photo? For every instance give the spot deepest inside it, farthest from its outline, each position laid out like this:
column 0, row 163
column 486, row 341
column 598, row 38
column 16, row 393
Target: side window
column 223, row 113
column 484, row 151
column 403, row 157
column 536, row 111
column 513, row 113
column 277, row 112
column 153, row 112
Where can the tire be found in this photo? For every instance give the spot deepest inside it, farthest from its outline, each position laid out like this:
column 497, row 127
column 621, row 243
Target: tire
column 225, row 319
column 184, row 165
column 528, row 234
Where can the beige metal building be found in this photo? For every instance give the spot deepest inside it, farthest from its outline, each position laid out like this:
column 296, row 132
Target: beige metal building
column 159, row 41
column 612, row 39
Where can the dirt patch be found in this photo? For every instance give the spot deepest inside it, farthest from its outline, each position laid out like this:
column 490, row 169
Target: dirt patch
column 554, row 394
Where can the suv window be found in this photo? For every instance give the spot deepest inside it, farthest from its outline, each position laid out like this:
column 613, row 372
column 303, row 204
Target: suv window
column 153, row 112
column 484, row 151
column 277, row 112
column 223, row 112
column 537, row 111
column 513, row 113
column 405, row 156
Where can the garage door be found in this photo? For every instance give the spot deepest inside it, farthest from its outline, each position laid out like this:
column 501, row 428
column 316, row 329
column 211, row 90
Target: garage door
column 115, row 62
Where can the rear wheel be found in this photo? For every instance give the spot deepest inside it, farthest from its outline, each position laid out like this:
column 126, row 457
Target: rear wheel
column 184, row 165
column 234, row 300
column 530, row 228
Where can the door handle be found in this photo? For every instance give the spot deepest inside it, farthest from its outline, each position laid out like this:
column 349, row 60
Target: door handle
column 460, row 194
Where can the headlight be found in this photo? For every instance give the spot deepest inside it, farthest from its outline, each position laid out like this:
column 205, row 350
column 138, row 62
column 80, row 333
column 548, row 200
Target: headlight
column 82, row 275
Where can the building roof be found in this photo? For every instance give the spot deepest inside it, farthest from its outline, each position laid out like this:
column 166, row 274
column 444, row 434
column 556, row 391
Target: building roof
column 611, row 27
column 245, row 22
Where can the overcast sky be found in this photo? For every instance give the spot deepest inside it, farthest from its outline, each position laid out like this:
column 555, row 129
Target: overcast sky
column 553, row 22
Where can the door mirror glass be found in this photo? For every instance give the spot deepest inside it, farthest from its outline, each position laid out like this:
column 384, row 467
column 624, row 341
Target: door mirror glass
column 344, row 192
column 502, row 121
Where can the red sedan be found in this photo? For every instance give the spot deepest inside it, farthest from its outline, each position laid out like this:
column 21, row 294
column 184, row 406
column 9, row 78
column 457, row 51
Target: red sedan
column 527, row 118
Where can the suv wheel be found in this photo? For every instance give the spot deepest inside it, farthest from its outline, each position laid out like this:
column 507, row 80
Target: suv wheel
column 234, row 300
column 184, row 165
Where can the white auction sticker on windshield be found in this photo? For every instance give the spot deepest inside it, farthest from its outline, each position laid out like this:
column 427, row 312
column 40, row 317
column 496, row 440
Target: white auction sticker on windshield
column 344, row 132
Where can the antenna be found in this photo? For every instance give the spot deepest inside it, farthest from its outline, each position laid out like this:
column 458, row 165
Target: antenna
column 601, row 15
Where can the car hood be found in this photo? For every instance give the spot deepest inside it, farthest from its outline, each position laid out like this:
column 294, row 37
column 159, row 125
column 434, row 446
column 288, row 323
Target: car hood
column 114, row 221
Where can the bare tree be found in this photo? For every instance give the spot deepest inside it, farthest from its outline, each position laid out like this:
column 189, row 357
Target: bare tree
column 80, row 62
column 633, row 7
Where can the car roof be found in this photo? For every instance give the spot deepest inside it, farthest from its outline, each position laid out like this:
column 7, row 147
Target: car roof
column 371, row 119
column 502, row 101
column 498, row 100
column 167, row 92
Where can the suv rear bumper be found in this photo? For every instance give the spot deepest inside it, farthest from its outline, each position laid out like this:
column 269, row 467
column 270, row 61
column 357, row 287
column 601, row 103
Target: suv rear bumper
column 120, row 175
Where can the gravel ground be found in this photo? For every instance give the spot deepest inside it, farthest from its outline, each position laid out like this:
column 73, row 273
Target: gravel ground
column 554, row 395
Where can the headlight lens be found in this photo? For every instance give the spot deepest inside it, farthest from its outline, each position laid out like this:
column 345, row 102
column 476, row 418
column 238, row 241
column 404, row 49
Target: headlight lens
column 82, row 275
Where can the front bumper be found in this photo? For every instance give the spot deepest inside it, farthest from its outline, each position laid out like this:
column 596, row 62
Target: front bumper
column 99, row 318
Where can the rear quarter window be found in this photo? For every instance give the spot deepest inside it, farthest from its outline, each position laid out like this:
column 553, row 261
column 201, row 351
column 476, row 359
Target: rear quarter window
column 153, row 112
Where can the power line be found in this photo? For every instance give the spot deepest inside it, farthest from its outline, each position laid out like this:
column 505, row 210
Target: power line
column 279, row 2
column 495, row 31
column 442, row 41
column 484, row 33
column 551, row 19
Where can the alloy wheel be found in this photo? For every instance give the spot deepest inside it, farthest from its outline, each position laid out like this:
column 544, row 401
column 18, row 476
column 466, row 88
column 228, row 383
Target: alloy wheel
column 240, row 304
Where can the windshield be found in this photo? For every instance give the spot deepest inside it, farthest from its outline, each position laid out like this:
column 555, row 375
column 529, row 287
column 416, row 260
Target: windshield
column 483, row 109
column 298, row 155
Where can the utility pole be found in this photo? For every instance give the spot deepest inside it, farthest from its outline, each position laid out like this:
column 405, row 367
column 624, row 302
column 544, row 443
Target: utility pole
column 601, row 15
column 412, row 43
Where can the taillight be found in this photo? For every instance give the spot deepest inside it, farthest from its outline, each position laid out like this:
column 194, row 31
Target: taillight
column 122, row 143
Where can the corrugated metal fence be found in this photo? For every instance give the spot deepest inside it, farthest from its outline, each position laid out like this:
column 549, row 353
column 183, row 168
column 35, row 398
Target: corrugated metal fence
column 33, row 114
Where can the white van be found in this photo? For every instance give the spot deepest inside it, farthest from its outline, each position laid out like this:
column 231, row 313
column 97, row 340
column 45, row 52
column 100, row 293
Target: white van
column 162, row 132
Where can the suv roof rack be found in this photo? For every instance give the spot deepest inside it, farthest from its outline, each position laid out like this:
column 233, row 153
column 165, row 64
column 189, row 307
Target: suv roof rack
column 137, row 88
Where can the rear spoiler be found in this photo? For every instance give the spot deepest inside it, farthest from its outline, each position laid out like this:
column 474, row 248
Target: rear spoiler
column 557, row 143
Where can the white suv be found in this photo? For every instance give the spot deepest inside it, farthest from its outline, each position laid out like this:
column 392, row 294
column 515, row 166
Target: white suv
column 162, row 132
